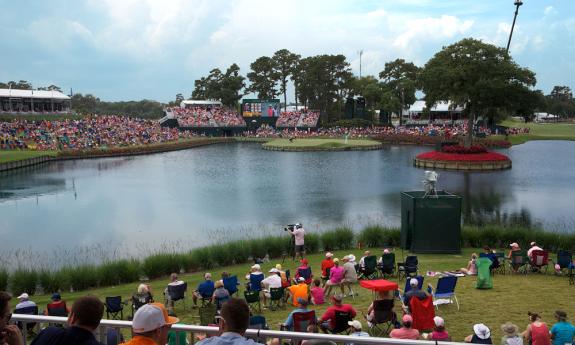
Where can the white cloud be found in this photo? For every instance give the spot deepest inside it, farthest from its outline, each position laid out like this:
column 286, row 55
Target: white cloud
column 431, row 28
column 549, row 10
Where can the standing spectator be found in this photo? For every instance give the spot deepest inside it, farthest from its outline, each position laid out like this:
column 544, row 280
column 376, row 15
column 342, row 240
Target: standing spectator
column 298, row 291
column 151, row 325
column 349, row 273
column 327, row 320
column 510, row 336
column 537, row 332
column 356, row 330
column 326, row 265
column 317, row 293
column 562, row 332
column 205, row 289
column 481, row 335
column 405, row 332
column 298, row 233
column 9, row 334
column 24, row 302
column 233, row 324
column 83, row 320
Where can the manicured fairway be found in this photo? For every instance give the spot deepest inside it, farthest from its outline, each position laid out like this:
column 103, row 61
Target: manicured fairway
column 15, row 155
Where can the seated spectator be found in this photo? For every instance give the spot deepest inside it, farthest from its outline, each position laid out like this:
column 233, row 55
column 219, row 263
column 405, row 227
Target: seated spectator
column 317, row 293
column 471, row 268
column 57, row 304
column 174, row 281
column 24, row 302
column 356, row 330
column 481, row 335
column 142, row 296
column 220, row 295
column 151, row 325
column 327, row 320
column 514, row 248
column 205, row 290
column 272, row 281
column 326, row 265
column 283, row 276
column 362, row 261
column 439, row 333
column 303, row 303
column 563, row 331
column 537, row 332
column 9, row 334
column 233, row 324
column 510, row 336
column 255, row 274
column 405, row 332
column 380, row 296
column 304, row 267
column 534, row 246
column 295, row 292
column 335, row 277
column 83, row 321
column 414, row 292
column 349, row 273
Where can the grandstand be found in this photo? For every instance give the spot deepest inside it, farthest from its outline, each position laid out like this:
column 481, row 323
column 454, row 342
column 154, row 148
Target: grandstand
column 33, row 101
column 299, row 119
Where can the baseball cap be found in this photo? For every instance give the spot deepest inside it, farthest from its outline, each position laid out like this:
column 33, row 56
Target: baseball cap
column 514, row 244
column 56, row 296
column 413, row 282
column 355, row 324
column 406, row 318
column 274, row 270
column 328, row 255
column 439, row 322
column 23, row 296
column 150, row 317
column 301, row 279
column 256, row 267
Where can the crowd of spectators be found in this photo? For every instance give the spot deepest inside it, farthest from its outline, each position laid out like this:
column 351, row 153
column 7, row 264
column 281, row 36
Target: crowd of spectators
column 227, row 118
column 290, row 119
column 193, row 117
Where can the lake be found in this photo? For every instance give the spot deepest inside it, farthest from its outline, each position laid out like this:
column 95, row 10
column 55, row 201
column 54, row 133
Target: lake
column 214, row 193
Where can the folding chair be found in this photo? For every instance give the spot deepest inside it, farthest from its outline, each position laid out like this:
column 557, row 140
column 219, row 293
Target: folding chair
column 178, row 293
column 423, row 313
column 370, row 267
column 231, row 284
column 341, row 322
column 138, row 300
column 207, row 314
column 409, row 267
column 253, row 297
column 255, row 283
column 57, row 309
column 301, row 321
column 220, row 302
column 384, row 318
column 277, row 298
column 32, row 310
column 539, row 260
column 519, row 261
column 306, row 274
column 114, row 307
column 387, row 266
column 445, row 290
column 257, row 322
column 564, row 259
column 408, row 287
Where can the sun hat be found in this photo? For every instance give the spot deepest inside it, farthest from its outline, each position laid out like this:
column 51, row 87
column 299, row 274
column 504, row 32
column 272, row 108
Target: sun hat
column 328, row 255
column 439, row 322
column 414, row 282
column 56, row 297
column 351, row 257
column 274, row 270
column 481, row 331
column 150, row 317
column 355, row 324
column 509, row 329
column 406, row 318
column 23, row 296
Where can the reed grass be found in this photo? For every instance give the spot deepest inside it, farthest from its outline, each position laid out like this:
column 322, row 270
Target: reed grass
column 3, row 279
column 23, row 280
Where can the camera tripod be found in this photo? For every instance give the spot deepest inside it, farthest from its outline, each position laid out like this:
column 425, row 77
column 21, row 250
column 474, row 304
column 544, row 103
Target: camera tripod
column 291, row 249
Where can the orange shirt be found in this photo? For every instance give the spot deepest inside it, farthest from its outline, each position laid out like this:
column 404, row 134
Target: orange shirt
column 298, row 291
column 139, row 340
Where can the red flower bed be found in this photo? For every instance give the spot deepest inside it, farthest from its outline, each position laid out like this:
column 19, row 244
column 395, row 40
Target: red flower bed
column 464, row 150
column 476, row 157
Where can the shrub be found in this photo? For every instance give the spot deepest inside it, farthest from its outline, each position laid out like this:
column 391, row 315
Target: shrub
column 203, row 257
column 277, row 245
column 464, row 150
column 3, row 279
column 258, row 248
column 224, row 254
column 162, row 264
column 81, row 277
column 341, row 238
column 328, row 241
column 312, row 243
column 52, row 281
column 23, row 280
column 118, row 272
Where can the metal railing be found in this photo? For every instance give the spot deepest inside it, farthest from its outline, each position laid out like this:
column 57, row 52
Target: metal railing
column 258, row 335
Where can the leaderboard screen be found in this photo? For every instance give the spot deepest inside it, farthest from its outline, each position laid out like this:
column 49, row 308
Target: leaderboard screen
column 261, row 108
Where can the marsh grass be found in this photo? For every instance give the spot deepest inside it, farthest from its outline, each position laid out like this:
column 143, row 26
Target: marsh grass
column 3, row 279
column 23, row 280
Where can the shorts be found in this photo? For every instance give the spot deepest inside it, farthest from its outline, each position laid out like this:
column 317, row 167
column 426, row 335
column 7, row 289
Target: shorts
column 299, row 249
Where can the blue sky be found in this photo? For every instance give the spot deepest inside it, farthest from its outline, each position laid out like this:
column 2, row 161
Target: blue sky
column 130, row 49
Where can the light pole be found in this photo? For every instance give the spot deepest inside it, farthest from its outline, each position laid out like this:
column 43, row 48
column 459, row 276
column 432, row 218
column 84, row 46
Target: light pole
column 360, row 54
column 518, row 3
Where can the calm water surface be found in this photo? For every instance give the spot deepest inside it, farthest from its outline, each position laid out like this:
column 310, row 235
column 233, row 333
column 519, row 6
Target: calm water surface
column 218, row 192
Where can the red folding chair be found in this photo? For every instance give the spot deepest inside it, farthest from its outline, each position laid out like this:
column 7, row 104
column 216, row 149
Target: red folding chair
column 423, row 313
column 539, row 260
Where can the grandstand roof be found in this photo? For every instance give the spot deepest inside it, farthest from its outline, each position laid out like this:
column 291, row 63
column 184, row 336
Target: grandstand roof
column 418, row 107
column 199, row 102
column 33, row 94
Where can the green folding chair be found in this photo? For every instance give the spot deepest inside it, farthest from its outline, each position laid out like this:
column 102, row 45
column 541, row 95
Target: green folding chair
column 253, row 300
column 277, row 298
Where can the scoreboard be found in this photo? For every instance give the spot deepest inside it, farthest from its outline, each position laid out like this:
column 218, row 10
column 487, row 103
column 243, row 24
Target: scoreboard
column 261, row 108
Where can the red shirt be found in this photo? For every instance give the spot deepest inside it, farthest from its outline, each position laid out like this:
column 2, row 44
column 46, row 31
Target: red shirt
column 325, row 264
column 330, row 313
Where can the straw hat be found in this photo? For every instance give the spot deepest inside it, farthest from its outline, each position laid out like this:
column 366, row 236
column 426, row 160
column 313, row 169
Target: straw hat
column 509, row 329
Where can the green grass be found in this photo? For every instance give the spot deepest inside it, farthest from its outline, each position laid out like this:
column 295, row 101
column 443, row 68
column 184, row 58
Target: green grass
column 509, row 300
column 540, row 131
column 321, row 143
column 16, row 155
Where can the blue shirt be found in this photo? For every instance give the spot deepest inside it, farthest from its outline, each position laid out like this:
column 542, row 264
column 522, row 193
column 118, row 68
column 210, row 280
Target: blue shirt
column 289, row 320
column 228, row 338
column 563, row 333
column 206, row 288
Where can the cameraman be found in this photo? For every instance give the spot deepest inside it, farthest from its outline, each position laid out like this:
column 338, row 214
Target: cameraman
column 298, row 233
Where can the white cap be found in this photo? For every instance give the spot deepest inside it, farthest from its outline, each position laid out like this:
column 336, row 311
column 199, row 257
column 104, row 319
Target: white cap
column 355, row 324
column 301, row 279
column 274, row 270
column 150, row 317
column 413, row 282
column 533, row 243
column 256, row 267
column 328, row 255
column 23, row 296
column 439, row 322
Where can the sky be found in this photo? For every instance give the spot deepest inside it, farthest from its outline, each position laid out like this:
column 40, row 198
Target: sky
column 154, row 49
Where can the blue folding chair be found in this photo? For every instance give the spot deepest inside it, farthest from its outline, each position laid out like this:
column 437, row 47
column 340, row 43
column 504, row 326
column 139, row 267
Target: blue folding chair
column 408, row 286
column 445, row 290
column 305, row 273
column 564, row 259
column 255, row 283
column 258, row 322
column 231, row 284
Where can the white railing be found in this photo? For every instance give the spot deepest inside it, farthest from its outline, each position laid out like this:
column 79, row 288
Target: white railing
column 258, row 335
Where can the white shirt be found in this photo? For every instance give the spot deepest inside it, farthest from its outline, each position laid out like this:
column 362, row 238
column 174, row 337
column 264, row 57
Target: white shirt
column 273, row 281
column 530, row 251
column 299, row 235
column 25, row 304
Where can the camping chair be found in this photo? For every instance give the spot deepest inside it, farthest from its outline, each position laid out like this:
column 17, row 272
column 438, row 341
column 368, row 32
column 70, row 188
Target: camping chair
column 483, row 274
column 305, row 274
column 564, row 259
column 423, row 313
column 257, row 322
column 114, row 307
column 57, row 309
column 231, row 284
column 207, row 314
column 220, row 301
column 301, row 320
column 500, row 268
column 114, row 336
column 408, row 287
column 384, row 318
column 255, row 283
column 519, row 261
column 277, row 298
column 32, row 310
column 445, row 290
column 178, row 293
column 370, row 267
column 408, row 268
column 341, row 322
column 387, row 266
column 539, row 260
column 138, row 300
column 253, row 298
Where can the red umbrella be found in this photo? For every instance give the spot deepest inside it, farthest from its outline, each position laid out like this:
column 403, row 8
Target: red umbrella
column 379, row 285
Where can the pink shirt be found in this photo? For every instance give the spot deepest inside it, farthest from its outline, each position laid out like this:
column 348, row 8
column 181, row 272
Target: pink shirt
column 317, row 295
column 299, row 235
column 404, row 333
column 336, row 274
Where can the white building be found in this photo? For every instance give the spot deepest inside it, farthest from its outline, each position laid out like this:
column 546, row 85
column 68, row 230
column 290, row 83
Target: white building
column 33, row 101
